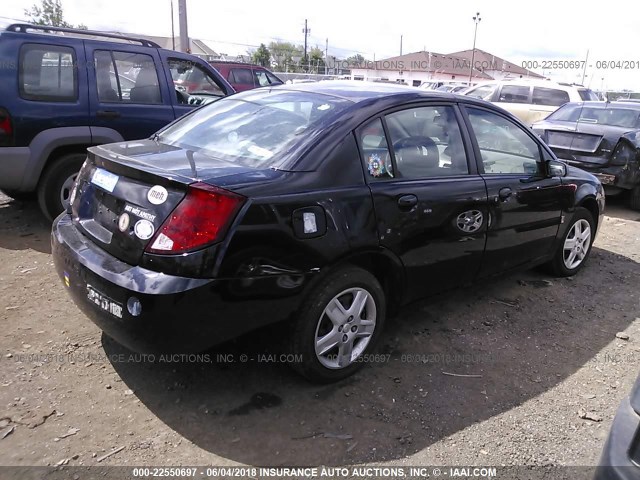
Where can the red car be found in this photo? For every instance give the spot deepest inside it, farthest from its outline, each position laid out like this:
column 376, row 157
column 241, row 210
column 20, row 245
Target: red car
column 244, row 76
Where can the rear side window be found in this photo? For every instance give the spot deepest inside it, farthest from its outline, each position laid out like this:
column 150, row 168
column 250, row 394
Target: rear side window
column 241, row 75
column 549, row 96
column 126, row 77
column 48, row 73
column 588, row 95
column 514, row 94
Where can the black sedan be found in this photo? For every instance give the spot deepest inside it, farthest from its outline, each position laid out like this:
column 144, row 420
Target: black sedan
column 600, row 137
column 324, row 205
column 621, row 454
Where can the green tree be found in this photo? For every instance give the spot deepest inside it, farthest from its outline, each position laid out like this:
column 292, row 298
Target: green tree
column 262, row 56
column 316, row 60
column 49, row 13
column 356, row 59
column 287, row 55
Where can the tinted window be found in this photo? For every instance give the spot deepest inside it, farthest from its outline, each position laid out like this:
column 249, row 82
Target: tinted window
column 48, row 73
column 193, row 78
column 615, row 117
column 375, row 151
column 241, row 75
column 514, row 94
column 254, row 128
column 126, row 77
column 484, row 92
column 504, row 146
column 588, row 95
column 566, row 113
column 427, row 142
column 549, row 96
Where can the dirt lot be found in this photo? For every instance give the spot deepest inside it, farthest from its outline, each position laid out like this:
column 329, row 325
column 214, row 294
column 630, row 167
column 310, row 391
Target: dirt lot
column 542, row 350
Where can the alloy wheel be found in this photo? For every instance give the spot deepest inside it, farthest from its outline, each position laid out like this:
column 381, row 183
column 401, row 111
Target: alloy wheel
column 576, row 244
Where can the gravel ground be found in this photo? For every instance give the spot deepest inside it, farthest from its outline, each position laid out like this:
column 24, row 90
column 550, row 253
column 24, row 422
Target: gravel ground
column 539, row 353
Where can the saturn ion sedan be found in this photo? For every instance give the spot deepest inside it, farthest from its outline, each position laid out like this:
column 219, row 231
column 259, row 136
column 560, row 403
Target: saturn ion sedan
column 325, row 206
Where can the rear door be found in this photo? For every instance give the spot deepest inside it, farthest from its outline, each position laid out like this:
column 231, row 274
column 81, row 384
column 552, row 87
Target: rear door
column 128, row 92
column 241, row 78
column 524, row 204
column 430, row 201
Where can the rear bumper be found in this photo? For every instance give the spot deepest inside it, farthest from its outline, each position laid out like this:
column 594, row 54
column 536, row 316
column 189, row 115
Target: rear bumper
column 625, row 177
column 178, row 314
column 13, row 167
column 621, row 445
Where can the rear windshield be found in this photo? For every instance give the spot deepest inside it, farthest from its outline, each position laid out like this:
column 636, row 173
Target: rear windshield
column 254, row 128
column 614, row 117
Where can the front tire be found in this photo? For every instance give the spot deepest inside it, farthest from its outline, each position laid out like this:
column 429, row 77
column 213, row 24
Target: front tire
column 634, row 198
column 56, row 183
column 339, row 322
column 575, row 247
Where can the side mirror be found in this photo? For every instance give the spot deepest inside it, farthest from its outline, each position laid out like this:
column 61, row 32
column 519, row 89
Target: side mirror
column 556, row 169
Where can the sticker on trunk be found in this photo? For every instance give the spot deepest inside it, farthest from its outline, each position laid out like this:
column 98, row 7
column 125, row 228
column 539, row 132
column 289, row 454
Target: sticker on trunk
column 123, row 222
column 104, row 179
column 144, row 229
column 139, row 212
column 103, row 302
column 157, row 195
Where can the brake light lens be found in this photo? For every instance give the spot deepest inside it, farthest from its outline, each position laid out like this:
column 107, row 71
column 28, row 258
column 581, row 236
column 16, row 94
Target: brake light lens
column 200, row 219
column 623, row 153
column 6, row 129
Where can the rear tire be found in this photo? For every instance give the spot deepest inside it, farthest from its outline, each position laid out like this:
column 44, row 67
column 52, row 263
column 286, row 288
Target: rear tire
column 56, row 182
column 634, row 198
column 575, row 247
column 339, row 322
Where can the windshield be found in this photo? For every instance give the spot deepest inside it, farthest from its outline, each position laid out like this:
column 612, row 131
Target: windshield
column 252, row 129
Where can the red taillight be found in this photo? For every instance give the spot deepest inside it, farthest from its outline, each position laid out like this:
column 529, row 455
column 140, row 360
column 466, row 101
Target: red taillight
column 200, row 219
column 6, row 129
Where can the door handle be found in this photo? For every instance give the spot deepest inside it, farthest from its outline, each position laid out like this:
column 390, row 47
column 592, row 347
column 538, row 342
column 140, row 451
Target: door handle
column 107, row 114
column 407, row 202
column 504, row 193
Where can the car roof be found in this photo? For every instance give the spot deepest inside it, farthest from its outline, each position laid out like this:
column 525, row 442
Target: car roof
column 357, row 90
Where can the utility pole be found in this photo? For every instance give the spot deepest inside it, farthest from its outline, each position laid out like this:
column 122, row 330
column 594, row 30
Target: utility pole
column 476, row 20
column 584, row 70
column 326, row 56
column 400, row 45
column 306, row 31
column 182, row 23
column 173, row 32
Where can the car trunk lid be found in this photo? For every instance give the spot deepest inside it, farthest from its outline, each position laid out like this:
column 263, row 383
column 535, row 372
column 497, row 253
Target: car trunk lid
column 125, row 192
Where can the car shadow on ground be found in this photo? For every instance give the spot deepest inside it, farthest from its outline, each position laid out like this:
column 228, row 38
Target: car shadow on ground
column 22, row 226
column 446, row 363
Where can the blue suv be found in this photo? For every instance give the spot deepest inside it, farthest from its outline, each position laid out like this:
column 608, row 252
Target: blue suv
column 63, row 90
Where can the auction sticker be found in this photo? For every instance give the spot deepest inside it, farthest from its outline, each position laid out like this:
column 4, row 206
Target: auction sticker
column 104, row 179
column 123, row 222
column 144, row 229
column 157, row 195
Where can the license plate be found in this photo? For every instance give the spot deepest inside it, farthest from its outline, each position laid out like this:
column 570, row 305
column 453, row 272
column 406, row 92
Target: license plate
column 103, row 302
column 104, row 179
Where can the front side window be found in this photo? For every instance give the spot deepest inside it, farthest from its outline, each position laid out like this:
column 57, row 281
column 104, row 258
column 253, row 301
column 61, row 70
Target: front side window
column 514, row 94
column 549, row 96
column 254, row 129
column 126, row 77
column 504, row 146
column 192, row 78
column 48, row 73
column 427, row 142
column 484, row 92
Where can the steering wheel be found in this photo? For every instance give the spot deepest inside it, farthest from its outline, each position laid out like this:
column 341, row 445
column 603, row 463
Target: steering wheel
column 415, row 147
column 182, row 96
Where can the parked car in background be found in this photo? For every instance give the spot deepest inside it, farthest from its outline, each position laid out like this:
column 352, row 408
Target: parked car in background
column 530, row 100
column 620, row 458
column 322, row 204
column 600, row 137
column 70, row 89
column 452, row 87
column 245, row 76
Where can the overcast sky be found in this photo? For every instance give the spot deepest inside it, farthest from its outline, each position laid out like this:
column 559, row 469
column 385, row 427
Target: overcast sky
column 538, row 30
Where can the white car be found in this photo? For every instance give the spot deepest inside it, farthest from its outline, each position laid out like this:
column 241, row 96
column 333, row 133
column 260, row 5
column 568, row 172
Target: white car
column 530, row 100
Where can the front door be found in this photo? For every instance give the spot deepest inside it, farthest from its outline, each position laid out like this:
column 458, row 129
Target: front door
column 430, row 201
column 524, row 203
